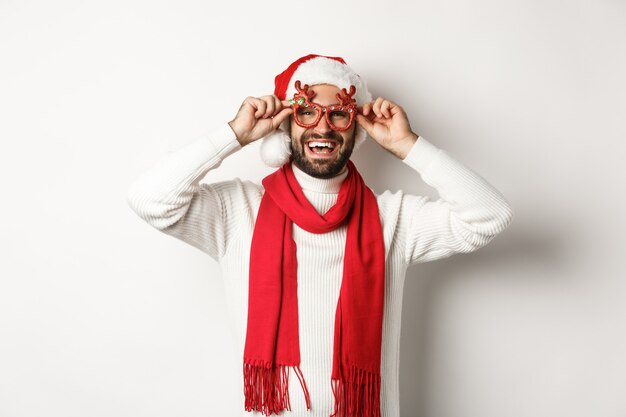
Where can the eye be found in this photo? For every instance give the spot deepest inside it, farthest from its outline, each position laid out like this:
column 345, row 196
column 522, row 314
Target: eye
column 339, row 115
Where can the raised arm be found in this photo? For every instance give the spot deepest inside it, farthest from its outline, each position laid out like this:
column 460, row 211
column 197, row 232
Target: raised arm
column 169, row 195
column 469, row 213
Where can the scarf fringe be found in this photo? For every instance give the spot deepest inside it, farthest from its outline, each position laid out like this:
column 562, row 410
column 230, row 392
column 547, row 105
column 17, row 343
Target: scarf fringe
column 358, row 395
column 266, row 387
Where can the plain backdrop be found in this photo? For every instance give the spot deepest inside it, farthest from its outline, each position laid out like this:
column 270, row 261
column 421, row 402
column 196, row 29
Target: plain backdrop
column 102, row 315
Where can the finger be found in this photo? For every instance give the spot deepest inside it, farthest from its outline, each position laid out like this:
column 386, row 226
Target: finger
column 367, row 107
column 282, row 104
column 278, row 106
column 260, row 107
column 369, row 116
column 269, row 106
column 280, row 117
column 394, row 108
column 254, row 103
column 364, row 121
column 376, row 107
column 384, row 109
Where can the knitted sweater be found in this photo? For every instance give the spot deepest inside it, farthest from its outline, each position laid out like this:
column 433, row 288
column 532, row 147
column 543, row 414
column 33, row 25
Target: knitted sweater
column 219, row 219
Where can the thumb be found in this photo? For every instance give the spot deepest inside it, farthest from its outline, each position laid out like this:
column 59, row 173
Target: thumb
column 364, row 121
column 280, row 117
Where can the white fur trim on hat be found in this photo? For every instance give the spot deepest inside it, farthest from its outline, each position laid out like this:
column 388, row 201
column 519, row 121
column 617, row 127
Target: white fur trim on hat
column 321, row 70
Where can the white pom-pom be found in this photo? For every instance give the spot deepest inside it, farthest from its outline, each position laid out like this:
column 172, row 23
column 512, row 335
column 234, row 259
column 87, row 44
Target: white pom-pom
column 275, row 148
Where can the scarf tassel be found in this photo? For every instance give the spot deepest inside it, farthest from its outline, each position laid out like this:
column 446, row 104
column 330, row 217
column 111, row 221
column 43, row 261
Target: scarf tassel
column 358, row 395
column 266, row 387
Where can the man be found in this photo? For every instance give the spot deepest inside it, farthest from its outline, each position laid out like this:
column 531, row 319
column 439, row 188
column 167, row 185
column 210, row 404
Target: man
column 313, row 261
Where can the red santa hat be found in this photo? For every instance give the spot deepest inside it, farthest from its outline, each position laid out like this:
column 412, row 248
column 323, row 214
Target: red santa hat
column 311, row 69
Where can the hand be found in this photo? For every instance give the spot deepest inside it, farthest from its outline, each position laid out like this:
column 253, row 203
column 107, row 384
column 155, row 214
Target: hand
column 258, row 117
column 387, row 123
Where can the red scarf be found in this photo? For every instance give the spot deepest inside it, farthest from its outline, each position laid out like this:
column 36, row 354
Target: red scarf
column 272, row 341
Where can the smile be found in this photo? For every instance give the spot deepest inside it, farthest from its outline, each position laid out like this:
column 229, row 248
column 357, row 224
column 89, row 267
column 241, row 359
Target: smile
column 321, row 148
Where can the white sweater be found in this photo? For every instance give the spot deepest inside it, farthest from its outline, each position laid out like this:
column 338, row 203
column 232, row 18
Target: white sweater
column 219, row 220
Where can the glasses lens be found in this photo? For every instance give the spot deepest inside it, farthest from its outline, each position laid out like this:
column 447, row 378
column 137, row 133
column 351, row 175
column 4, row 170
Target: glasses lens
column 307, row 115
column 339, row 118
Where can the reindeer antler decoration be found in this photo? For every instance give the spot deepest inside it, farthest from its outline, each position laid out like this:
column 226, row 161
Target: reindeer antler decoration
column 345, row 98
column 303, row 95
column 338, row 116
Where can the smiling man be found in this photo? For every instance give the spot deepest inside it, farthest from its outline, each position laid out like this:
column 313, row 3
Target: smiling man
column 313, row 260
column 321, row 151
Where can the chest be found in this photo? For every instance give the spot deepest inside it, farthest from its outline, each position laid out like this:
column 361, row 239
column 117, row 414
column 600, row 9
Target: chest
column 325, row 250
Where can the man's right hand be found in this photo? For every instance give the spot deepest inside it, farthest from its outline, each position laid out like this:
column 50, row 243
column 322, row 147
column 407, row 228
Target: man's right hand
column 258, row 117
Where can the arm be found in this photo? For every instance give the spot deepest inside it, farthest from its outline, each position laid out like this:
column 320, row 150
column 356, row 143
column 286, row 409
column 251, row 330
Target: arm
column 469, row 213
column 169, row 197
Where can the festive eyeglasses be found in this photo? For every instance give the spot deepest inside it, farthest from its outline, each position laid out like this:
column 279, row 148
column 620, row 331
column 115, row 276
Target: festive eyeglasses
column 308, row 114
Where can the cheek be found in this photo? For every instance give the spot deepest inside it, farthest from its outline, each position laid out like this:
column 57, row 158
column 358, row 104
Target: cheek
column 348, row 135
column 295, row 131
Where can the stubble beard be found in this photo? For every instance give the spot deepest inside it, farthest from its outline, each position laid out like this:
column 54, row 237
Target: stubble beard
column 321, row 168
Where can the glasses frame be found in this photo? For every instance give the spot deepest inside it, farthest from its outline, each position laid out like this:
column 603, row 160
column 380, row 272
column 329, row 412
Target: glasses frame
column 303, row 96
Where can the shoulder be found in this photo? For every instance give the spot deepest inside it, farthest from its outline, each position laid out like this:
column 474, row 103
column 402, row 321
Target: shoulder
column 234, row 186
column 392, row 202
column 396, row 208
column 389, row 198
column 236, row 193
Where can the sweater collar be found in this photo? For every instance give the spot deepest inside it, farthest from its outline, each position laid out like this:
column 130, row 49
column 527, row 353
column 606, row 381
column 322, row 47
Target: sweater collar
column 320, row 185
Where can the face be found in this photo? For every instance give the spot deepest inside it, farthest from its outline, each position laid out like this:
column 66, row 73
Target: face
column 321, row 161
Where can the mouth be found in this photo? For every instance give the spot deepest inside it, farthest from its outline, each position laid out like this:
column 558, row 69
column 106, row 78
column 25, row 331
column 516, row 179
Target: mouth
column 321, row 148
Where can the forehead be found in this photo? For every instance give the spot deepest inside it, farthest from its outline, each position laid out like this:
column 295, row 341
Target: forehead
column 325, row 93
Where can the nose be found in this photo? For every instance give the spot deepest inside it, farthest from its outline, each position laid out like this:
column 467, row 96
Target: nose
column 322, row 126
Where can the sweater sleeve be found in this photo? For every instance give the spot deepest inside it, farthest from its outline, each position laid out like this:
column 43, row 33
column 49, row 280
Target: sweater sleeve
column 169, row 196
column 468, row 214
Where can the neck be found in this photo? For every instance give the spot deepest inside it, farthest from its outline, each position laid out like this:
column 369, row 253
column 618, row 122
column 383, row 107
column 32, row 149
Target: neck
column 320, row 185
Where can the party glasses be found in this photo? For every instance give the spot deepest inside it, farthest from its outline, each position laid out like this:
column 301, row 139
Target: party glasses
column 308, row 114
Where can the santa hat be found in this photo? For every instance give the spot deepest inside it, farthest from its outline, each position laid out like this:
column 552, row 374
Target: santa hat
column 311, row 69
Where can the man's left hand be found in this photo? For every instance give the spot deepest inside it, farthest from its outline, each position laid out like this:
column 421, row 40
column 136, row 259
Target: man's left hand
column 387, row 123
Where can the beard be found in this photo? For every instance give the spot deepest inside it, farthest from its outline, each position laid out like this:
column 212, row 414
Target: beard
column 321, row 168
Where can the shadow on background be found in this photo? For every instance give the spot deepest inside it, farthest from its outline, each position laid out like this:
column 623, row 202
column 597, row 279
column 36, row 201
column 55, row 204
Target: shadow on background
column 514, row 249
column 536, row 239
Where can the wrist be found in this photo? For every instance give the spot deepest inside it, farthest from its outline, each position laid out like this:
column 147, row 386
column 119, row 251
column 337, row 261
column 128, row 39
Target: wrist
column 403, row 147
column 237, row 133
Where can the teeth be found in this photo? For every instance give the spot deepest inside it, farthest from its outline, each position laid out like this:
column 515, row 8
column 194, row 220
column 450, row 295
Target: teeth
column 321, row 145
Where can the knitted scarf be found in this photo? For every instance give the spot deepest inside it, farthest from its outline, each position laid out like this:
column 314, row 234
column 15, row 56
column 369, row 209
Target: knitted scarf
column 272, row 340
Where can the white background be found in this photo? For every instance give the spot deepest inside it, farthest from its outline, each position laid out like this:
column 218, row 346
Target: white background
column 101, row 315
